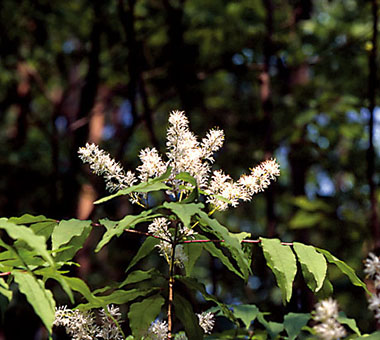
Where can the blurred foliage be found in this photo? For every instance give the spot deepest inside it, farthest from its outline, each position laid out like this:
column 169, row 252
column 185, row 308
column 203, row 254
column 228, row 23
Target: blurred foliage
column 63, row 62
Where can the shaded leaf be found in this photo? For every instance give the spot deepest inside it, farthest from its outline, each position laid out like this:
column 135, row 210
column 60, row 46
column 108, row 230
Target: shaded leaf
column 193, row 251
column 246, row 313
column 326, row 290
column 138, row 276
column 145, row 249
column 142, row 314
column 351, row 323
column 194, row 285
column 231, row 241
column 218, row 253
column 184, row 312
column 293, row 323
column 304, row 219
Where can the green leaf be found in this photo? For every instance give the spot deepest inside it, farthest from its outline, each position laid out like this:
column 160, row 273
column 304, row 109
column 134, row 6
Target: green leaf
column 118, row 297
column 154, row 184
column 184, row 312
column 117, row 228
column 81, row 287
column 66, row 253
column 293, row 323
column 44, row 229
column 193, row 251
column 273, row 328
column 304, row 219
column 28, row 219
column 373, row 336
column 218, row 253
column 351, row 323
column 145, row 249
column 246, row 313
column 281, row 260
column 5, row 290
column 186, row 177
column 344, row 268
column 230, row 241
column 313, row 265
column 142, row 314
column 40, row 298
column 196, row 286
column 66, row 230
column 52, row 273
column 138, row 276
column 184, row 211
column 311, row 205
column 326, row 290
column 20, row 232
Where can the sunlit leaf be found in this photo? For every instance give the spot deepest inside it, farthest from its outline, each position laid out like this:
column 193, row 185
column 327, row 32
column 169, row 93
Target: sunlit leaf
column 281, row 260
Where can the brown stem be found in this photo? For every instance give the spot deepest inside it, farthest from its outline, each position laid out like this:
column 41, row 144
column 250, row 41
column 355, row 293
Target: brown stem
column 171, row 283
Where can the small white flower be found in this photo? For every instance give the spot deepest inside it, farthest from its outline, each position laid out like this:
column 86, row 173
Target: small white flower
column 330, row 330
column 102, row 164
column 152, row 164
column 326, row 309
column 158, row 330
column 372, row 265
column 160, row 228
column 109, row 329
column 213, row 142
column 374, row 302
column 185, row 232
column 206, row 321
column 79, row 324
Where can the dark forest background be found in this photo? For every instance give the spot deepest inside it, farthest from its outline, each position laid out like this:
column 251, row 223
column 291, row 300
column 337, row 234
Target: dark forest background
column 291, row 79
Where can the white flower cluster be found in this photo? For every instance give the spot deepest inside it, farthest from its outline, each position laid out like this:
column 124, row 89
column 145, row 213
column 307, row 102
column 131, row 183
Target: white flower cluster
column 206, row 321
column 158, row 330
column 328, row 328
column 160, row 228
column 184, row 154
column 372, row 269
column 102, row 164
column 81, row 325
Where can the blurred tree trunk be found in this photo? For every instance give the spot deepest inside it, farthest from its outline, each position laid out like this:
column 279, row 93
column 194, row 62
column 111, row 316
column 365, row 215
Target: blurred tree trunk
column 267, row 107
column 372, row 78
column 71, row 186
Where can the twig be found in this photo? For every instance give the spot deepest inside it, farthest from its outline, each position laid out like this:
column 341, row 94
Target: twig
column 190, row 241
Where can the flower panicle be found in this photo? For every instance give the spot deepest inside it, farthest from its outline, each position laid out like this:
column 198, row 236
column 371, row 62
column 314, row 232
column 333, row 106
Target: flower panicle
column 81, row 325
column 328, row 327
column 184, row 154
column 102, row 164
column 158, row 329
